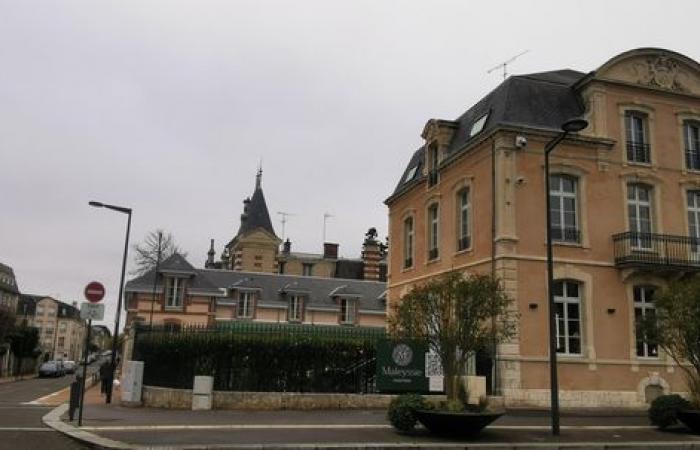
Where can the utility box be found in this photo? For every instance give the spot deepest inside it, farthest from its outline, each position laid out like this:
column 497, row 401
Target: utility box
column 132, row 382
column 202, row 393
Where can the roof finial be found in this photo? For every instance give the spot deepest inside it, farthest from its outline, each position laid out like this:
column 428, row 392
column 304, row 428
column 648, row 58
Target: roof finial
column 258, row 177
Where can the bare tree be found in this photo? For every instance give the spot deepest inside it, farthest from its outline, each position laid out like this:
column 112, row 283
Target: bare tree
column 147, row 252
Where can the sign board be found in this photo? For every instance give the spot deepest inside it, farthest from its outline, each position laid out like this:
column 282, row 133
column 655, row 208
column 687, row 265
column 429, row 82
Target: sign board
column 94, row 292
column 401, row 366
column 92, row 311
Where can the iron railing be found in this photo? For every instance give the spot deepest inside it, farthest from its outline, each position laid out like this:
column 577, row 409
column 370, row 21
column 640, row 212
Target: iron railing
column 634, row 249
column 638, row 152
column 563, row 234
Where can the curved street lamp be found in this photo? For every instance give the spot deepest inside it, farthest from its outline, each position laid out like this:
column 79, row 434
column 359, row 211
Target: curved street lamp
column 121, row 209
column 570, row 126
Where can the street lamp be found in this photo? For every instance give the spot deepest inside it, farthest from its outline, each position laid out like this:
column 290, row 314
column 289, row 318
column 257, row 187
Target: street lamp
column 112, row 366
column 570, row 126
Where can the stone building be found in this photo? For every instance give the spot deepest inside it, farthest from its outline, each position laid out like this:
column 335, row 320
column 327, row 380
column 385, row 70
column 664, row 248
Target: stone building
column 625, row 212
column 61, row 330
column 256, row 248
column 178, row 294
column 9, row 291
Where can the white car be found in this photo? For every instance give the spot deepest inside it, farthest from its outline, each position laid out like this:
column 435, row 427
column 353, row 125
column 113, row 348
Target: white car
column 69, row 366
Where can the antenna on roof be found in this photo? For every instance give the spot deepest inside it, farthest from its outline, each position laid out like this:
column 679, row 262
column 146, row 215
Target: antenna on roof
column 284, row 220
column 504, row 64
column 325, row 218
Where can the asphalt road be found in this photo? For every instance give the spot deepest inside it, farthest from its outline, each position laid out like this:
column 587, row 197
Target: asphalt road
column 20, row 424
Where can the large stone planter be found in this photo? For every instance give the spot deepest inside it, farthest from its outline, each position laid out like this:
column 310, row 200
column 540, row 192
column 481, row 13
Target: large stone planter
column 690, row 418
column 456, row 423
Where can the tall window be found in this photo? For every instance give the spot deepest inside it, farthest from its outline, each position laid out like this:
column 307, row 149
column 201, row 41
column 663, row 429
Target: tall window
column 562, row 195
column 639, row 214
column 567, row 301
column 644, row 310
column 408, row 242
column 637, row 137
column 174, row 292
column 432, row 165
column 281, row 266
column 245, row 305
column 463, row 213
column 691, row 136
column 694, row 220
column 433, row 229
column 295, row 308
column 347, row 311
column 307, row 269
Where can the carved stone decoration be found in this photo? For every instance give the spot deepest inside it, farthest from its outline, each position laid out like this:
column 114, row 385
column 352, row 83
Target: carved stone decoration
column 662, row 72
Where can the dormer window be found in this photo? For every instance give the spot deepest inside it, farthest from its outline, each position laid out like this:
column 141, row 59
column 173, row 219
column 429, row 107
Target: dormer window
column 246, row 301
column 478, row 125
column 174, row 292
column 296, row 308
column 347, row 311
column 410, row 174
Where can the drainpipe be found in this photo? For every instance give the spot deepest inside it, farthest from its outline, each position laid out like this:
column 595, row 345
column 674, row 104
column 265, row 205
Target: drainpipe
column 494, row 362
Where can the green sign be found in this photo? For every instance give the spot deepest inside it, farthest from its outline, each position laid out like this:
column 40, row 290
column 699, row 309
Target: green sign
column 401, row 366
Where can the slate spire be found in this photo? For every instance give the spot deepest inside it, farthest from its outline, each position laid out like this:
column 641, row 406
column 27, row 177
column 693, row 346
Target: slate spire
column 255, row 213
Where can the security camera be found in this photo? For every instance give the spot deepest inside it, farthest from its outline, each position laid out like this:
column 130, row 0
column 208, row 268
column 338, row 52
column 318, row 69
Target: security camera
column 520, row 141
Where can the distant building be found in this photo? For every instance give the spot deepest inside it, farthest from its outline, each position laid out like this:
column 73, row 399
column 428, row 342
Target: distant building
column 256, row 248
column 101, row 337
column 188, row 296
column 61, row 330
column 9, row 292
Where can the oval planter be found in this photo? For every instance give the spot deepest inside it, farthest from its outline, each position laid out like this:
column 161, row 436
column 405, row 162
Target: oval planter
column 456, row 423
column 690, row 418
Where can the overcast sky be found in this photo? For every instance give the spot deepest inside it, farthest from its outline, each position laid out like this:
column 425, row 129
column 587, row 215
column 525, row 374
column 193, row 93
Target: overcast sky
column 167, row 107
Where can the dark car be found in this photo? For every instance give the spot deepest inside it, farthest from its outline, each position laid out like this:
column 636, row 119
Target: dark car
column 51, row 369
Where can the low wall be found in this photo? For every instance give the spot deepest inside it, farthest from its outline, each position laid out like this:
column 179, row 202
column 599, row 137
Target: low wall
column 159, row 397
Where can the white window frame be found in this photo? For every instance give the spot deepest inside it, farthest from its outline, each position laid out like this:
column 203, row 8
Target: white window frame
column 692, row 144
column 244, row 308
column 463, row 218
column 632, row 135
column 174, row 293
column 347, row 311
column 693, row 208
column 636, row 224
column 408, row 238
column 645, row 305
column 295, row 312
column 433, row 231
column 558, row 197
column 565, row 299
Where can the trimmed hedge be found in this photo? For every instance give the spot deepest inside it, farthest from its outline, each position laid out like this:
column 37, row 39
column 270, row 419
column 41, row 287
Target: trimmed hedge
column 262, row 362
column 663, row 411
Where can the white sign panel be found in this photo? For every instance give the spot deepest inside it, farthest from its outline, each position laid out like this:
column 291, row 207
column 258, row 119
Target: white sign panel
column 436, row 383
column 433, row 370
column 92, row 311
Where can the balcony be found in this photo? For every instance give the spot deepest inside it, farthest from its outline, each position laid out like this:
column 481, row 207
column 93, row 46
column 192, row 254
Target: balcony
column 656, row 251
column 638, row 152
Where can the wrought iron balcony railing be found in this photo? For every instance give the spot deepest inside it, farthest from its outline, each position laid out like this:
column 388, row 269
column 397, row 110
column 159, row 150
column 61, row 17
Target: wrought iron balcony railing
column 633, row 249
column 638, row 152
column 563, row 234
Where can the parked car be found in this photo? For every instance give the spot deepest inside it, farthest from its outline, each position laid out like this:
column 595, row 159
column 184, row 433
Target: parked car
column 69, row 366
column 51, row 369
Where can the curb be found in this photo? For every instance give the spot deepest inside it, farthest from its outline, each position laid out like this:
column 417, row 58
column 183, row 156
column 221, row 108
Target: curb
column 53, row 420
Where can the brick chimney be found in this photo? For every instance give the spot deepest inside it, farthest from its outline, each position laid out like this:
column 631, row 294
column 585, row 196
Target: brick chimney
column 330, row 250
column 371, row 255
column 287, row 247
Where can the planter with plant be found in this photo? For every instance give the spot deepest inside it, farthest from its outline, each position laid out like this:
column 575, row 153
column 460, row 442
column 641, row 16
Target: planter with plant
column 675, row 327
column 456, row 316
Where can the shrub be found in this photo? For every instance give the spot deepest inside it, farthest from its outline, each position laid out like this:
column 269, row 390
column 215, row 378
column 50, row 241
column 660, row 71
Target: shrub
column 400, row 412
column 664, row 409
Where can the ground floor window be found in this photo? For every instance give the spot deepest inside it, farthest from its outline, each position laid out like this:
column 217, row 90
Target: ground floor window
column 567, row 301
column 644, row 310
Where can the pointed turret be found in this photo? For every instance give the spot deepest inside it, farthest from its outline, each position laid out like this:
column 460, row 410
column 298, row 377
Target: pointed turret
column 255, row 213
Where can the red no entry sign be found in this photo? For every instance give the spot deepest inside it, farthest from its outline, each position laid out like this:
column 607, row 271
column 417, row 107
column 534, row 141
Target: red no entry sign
column 94, row 292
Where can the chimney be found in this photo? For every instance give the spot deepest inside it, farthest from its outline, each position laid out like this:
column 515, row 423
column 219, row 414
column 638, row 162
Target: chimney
column 210, row 256
column 330, row 250
column 287, row 247
column 371, row 255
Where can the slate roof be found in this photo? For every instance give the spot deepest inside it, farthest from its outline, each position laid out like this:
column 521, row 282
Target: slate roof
column 257, row 215
column 27, row 306
column 273, row 287
column 542, row 100
column 9, row 285
column 177, row 264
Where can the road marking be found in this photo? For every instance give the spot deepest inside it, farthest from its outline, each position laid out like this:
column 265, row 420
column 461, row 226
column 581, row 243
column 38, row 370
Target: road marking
column 337, row 427
column 24, row 429
column 41, row 400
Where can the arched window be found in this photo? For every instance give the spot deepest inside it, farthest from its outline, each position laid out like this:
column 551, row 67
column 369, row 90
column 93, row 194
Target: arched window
column 644, row 310
column 564, row 203
column 463, row 218
column 408, row 234
column 640, row 215
column 433, row 230
column 567, row 301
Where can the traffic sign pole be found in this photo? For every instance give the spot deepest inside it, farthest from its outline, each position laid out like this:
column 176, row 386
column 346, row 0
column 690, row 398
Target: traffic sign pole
column 85, row 364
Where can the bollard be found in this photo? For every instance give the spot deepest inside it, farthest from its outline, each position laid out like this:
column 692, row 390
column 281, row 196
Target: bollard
column 74, row 400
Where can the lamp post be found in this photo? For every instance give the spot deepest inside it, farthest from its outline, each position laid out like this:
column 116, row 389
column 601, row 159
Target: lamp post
column 127, row 211
column 570, row 126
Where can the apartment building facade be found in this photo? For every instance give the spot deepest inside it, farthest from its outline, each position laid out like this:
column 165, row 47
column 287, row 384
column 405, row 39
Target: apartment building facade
column 625, row 215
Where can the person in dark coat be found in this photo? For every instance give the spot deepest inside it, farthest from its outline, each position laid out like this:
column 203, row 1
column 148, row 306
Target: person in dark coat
column 105, row 376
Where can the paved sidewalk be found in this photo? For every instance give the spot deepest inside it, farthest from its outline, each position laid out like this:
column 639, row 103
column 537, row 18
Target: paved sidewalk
column 115, row 426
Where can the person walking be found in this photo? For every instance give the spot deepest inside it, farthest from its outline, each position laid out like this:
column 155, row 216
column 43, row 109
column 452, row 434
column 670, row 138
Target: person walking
column 105, row 376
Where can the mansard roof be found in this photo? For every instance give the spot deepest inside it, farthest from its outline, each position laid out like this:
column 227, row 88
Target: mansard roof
column 541, row 101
